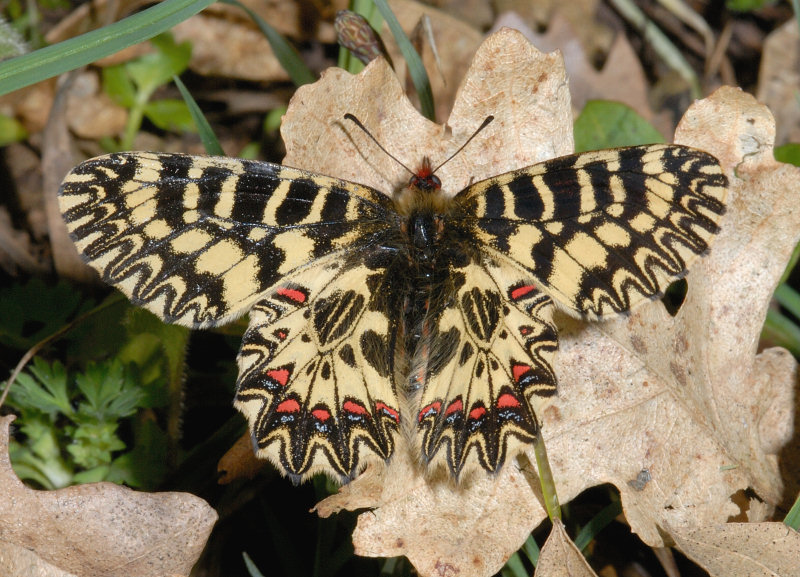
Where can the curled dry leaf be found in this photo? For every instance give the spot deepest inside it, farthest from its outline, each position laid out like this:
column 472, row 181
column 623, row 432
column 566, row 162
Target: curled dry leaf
column 744, row 549
column 99, row 529
column 560, row 557
column 684, row 398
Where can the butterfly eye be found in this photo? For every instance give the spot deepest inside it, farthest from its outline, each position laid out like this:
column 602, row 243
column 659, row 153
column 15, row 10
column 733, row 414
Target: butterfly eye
column 425, row 182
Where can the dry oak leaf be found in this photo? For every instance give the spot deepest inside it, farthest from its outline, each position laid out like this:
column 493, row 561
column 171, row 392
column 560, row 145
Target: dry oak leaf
column 560, row 557
column 99, row 529
column 744, row 549
column 683, row 397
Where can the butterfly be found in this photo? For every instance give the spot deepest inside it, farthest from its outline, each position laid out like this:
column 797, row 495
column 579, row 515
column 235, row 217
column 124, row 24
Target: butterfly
column 374, row 316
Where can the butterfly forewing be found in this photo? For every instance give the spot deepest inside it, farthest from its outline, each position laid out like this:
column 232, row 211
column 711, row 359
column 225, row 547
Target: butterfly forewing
column 602, row 231
column 196, row 240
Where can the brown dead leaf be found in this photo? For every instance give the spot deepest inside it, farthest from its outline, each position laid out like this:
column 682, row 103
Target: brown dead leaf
column 467, row 530
column 239, row 462
column 91, row 113
column 779, row 79
column 594, row 33
column 744, row 549
column 229, row 48
column 17, row 561
column 684, row 397
column 687, row 397
column 621, row 79
column 58, row 156
column 99, row 529
column 560, row 557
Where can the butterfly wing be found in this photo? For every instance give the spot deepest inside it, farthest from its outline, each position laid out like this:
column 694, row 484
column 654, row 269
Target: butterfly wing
column 315, row 380
column 597, row 233
column 200, row 240
column 602, row 231
column 488, row 354
column 197, row 240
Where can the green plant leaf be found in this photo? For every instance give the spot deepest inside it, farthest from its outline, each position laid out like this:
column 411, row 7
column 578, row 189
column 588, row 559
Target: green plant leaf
column 144, row 466
column 111, row 391
column 39, row 460
column 789, row 153
column 170, row 114
column 118, row 85
column 92, row 444
column 747, row 5
column 11, row 130
column 155, row 69
column 32, row 311
column 43, row 387
column 793, row 516
column 81, row 50
column 607, row 124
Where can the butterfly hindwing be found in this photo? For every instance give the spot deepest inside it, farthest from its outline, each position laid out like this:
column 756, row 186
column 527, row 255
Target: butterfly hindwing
column 315, row 379
column 605, row 230
column 195, row 239
column 489, row 353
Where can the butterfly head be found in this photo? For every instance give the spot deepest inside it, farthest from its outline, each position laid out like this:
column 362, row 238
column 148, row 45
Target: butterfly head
column 424, row 179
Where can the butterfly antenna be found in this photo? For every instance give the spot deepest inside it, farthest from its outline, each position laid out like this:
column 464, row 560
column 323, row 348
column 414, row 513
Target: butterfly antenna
column 485, row 123
column 357, row 122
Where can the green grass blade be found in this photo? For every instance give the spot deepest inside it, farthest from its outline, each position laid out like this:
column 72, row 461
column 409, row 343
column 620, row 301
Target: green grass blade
column 207, row 136
column 416, row 70
column 286, row 54
column 793, row 516
column 531, row 550
column 514, row 567
column 789, row 299
column 81, row 50
column 597, row 524
column 252, row 569
column 782, row 332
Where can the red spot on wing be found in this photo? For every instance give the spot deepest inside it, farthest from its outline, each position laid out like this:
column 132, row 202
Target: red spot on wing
column 525, row 330
column 321, row 414
column 387, row 410
column 456, row 405
column 288, row 406
column 507, row 400
column 295, row 295
column 281, row 334
column 521, row 291
column 354, row 408
column 280, row 376
column 430, row 410
column 477, row 413
column 519, row 371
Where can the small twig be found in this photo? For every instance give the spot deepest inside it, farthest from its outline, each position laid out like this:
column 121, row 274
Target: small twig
column 715, row 61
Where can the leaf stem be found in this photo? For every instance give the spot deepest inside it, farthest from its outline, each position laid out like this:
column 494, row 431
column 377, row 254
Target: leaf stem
column 549, row 494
